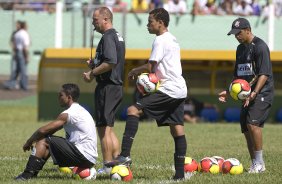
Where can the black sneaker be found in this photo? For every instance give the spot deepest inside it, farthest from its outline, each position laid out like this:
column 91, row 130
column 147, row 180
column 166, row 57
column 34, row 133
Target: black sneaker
column 25, row 176
column 120, row 160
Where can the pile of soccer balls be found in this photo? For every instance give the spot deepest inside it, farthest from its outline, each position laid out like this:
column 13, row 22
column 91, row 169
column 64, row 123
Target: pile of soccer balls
column 239, row 89
column 118, row 172
column 214, row 165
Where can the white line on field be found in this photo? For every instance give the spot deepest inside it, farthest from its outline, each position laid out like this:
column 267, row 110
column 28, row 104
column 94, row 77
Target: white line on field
column 143, row 166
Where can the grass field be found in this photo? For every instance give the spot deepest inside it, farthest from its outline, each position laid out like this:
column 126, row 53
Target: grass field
column 152, row 152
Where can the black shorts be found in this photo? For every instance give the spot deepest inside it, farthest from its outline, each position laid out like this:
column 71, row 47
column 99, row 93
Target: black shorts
column 65, row 154
column 107, row 100
column 163, row 108
column 256, row 114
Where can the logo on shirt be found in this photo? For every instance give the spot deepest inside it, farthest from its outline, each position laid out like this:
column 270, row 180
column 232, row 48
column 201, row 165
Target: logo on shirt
column 120, row 38
column 244, row 69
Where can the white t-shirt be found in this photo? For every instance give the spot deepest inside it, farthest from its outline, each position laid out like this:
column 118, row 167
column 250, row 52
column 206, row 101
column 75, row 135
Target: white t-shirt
column 81, row 131
column 181, row 7
column 166, row 52
column 21, row 39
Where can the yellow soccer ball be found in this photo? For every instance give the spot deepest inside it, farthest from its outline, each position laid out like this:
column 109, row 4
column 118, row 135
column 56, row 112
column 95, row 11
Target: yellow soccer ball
column 232, row 166
column 65, row 170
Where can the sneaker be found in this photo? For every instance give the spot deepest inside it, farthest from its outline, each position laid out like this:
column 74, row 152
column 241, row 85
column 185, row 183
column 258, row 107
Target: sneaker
column 104, row 171
column 25, row 176
column 187, row 176
column 257, row 168
column 120, row 160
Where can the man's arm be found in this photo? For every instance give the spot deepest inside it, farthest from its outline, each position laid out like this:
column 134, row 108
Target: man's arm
column 148, row 67
column 259, row 85
column 104, row 67
column 48, row 129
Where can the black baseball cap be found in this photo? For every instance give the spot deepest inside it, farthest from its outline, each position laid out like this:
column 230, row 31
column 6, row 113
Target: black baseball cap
column 238, row 25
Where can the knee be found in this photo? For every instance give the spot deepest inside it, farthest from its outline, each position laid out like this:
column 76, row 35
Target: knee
column 42, row 142
column 133, row 111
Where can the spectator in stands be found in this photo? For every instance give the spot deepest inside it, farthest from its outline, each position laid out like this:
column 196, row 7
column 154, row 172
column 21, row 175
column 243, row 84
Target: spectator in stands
column 119, row 6
column 210, row 8
column 242, row 8
column 110, row 4
column 265, row 12
column 225, row 8
column 155, row 4
column 176, row 7
column 20, row 42
column 278, row 7
column 139, row 6
column 256, row 8
column 193, row 108
column 198, row 7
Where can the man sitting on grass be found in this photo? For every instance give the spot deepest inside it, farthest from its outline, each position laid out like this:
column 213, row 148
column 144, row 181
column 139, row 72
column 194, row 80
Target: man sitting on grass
column 79, row 148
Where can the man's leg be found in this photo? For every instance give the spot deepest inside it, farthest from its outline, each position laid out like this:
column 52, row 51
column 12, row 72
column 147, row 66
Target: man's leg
column 109, row 146
column 255, row 133
column 11, row 83
column 130, row 131
column 23, row 73
column 116, row 146
column 250, row 145
column 36, row 161
column 106, row 142
column 177, row 132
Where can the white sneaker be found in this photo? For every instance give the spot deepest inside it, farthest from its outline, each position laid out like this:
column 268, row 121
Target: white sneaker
column 104, row 171
column 257, row 168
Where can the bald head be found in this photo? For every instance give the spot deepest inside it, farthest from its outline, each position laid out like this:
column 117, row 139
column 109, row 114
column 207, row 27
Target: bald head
column 102, row 19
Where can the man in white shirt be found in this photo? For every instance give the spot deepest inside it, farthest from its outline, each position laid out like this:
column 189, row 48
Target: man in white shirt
column 177, row 7
column 20, row 42
column 166, row 105
column 243, row 9
column 79, row 148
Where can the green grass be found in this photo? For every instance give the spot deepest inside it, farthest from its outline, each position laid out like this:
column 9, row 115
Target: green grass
column 152, row 151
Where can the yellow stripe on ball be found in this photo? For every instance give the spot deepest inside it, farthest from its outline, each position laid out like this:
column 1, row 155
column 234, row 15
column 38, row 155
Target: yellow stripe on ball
column 121, row 170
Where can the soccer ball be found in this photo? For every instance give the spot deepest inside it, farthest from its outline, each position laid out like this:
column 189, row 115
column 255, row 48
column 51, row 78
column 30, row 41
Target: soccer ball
column 220, row 161
column 190, row 165
column 84, row 173
column 239, row 89
column 147, row 83
column 66, row 170
column 232, row 166
column 209, row 165
column 121, row 172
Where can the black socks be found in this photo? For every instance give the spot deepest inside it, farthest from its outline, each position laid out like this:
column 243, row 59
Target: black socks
column 179, row 156
column 131, row 128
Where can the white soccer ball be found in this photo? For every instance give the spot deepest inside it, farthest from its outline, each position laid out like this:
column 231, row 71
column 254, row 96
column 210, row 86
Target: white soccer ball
column 147, row 83
column 84, row 173
column 232, row 166
column 239, row 89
